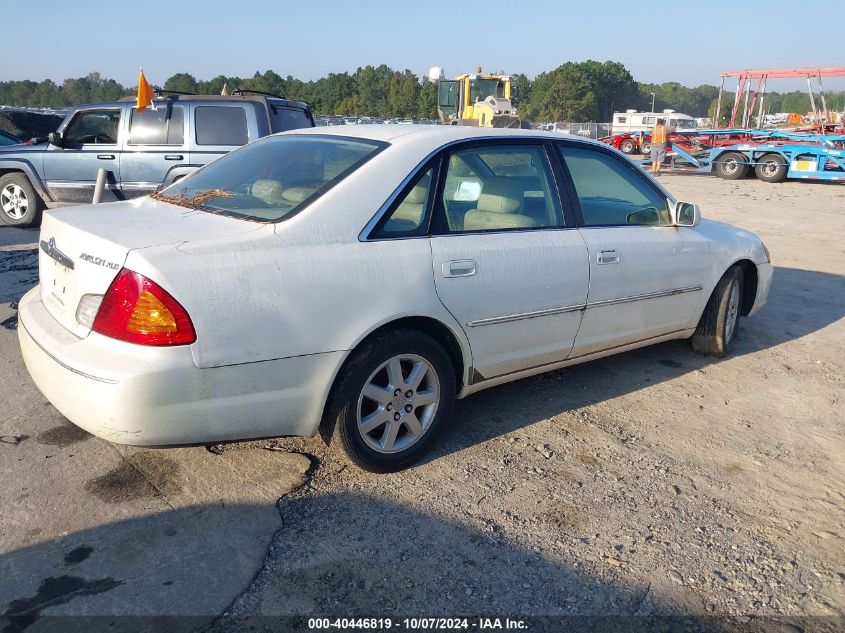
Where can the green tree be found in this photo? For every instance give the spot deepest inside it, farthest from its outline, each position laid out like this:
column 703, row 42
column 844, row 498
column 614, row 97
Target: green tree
column 181, row 82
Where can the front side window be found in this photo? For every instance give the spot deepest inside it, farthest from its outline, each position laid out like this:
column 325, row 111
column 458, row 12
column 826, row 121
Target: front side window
column 495, row 188
column 273, row 178
column 611, row 193
column 220, row 125
column 163, row 126
column 93, row 126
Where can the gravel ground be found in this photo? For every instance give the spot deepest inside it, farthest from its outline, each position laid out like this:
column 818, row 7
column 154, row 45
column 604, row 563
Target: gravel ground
column 657, row 482
column 654, row 482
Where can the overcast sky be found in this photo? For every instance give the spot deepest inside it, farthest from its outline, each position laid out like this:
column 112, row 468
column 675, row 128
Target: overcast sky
column 689, row 42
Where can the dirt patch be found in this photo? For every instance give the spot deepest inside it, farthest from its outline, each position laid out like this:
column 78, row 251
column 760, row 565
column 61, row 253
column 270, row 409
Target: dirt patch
column 147, row 475
column 62, row 436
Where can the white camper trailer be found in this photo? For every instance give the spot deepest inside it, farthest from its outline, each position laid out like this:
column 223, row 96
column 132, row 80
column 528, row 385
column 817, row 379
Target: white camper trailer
column 632, row 121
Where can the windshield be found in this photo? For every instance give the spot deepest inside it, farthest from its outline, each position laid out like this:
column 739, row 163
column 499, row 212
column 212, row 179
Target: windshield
column 683, row 124
column 273, row 178
column 480, row 89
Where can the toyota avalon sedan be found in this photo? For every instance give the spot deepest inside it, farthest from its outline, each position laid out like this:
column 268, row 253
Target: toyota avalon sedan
column 354, row 282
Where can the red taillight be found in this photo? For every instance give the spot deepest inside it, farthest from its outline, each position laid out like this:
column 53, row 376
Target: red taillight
column 137, row 310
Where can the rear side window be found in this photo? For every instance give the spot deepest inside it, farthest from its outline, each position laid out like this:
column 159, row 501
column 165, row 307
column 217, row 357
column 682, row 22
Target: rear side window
column 273, row 178
column 283, row 119
column 164, row 126
column 220, row 125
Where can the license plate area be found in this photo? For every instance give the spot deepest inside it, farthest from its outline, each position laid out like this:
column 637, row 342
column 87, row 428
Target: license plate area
column 62, row 288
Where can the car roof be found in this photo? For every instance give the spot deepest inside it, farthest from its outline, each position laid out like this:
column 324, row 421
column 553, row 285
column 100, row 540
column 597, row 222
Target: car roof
column 437, row 134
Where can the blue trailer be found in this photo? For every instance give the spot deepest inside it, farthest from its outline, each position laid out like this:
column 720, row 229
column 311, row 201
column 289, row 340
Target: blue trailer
column 773, row 155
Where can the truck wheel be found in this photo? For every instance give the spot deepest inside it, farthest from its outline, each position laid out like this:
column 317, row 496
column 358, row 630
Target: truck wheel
column 645, row 149
column 19, row 204
column 731, row 166
column 627, row 146
column 719, row 323
column 771, row 168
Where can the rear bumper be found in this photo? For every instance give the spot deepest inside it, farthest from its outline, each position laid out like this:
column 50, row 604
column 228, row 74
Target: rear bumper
column 764, row 284
column 131, row 394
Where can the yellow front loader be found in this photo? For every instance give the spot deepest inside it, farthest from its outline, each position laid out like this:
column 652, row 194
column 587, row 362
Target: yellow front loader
column 477, row 99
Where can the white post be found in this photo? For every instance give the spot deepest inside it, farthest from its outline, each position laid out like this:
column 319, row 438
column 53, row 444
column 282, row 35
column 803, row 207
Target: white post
column 100, row 186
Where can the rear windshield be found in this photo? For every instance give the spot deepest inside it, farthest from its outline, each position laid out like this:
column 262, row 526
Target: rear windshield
column 273, row 178
column 283, row 119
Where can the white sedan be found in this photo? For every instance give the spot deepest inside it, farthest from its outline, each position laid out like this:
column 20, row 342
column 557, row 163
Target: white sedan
column 355, row 282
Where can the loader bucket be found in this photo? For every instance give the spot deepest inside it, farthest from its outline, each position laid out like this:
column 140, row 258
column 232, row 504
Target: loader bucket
column 506, row 120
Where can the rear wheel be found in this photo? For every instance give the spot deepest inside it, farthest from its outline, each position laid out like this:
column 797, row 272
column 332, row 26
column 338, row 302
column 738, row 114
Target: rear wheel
column 627, row 146
column 392, row 399
column 771, row 168
column 19, row 204
column 645, row 148
column 731, row 166
column 719, row 323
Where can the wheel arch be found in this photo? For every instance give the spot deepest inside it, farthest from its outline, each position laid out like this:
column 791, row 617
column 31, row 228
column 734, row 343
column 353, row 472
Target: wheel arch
column 433, row 327
column 26, row 168
column 749, row 284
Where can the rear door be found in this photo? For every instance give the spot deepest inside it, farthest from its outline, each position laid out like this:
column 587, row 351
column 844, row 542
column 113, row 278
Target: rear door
column 646, row 275
column 155, row 143
column 507, row 261
column 91, row 140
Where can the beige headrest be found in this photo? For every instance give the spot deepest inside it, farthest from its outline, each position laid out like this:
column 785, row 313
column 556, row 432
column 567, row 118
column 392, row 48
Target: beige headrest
column 297, row 194
column 501, row 195
column 418, row 194
column 269, row 191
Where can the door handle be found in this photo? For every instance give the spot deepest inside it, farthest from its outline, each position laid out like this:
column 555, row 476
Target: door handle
column 608, row 257
column 459, row 268
column 105, row 156
column 173, row 157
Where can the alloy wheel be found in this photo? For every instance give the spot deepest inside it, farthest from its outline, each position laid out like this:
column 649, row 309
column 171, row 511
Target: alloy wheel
column 13, row 201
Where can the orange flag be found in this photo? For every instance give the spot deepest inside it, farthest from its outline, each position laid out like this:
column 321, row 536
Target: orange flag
column 145, row 93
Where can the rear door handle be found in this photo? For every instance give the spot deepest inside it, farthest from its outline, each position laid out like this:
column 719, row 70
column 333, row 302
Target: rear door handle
column 608, row 257
column 105, row 156
column 459, row 268
column 173, row 157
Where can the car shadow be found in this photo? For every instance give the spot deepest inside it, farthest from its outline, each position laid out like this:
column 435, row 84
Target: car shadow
column 338, row 555
column 800, row 303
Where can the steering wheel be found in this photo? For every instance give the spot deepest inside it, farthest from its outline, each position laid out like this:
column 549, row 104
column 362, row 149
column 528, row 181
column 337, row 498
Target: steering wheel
column 102, row 138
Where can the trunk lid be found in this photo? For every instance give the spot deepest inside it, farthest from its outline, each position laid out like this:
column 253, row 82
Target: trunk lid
column 81, row 249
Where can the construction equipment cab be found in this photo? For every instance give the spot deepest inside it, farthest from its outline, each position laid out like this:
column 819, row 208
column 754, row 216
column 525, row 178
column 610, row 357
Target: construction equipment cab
column 477, row 99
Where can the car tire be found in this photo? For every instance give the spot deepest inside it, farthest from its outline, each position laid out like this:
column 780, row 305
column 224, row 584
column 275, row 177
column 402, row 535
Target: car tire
column 383, row 414
column 731, row 166
column 771, row 168
column 19, row 204
column 627, row 146
column 645, row 149
column 719, row 324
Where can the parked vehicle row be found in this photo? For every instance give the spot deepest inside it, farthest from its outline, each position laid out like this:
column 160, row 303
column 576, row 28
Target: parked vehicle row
column 141, row 151
column 355, row 282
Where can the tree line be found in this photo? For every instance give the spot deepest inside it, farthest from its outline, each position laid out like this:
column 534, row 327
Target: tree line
column 574, row 91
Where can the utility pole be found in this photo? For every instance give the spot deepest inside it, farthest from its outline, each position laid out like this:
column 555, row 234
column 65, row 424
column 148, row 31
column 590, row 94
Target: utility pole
column 653, row 95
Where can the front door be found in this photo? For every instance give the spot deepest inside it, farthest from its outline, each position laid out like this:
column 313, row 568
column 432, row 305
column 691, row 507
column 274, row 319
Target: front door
column 646, row 275
column 507, row 264
column 89, row 142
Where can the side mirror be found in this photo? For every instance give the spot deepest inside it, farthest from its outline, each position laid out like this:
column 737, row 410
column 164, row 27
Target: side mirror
column 686, row 214
column 54, row 138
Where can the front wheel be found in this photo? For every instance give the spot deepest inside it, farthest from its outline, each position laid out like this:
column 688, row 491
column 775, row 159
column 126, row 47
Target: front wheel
column 719, row 323
column 392, row 399
column 19, row 204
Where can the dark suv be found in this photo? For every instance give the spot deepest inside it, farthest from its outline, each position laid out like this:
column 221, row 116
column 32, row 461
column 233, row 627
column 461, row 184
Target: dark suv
column 141, row 151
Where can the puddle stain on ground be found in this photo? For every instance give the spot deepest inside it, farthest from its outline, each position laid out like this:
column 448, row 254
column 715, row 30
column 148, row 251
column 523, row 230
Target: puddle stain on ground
column 62, row 436
column 146, row 475
column 77, row 555
column 54, row 591
column 670, row 362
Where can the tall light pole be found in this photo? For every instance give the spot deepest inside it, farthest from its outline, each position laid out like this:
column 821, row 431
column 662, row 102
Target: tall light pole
column 653, row 95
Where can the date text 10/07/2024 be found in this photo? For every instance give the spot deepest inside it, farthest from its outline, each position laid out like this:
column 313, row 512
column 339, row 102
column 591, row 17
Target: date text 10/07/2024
column 418, row 624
